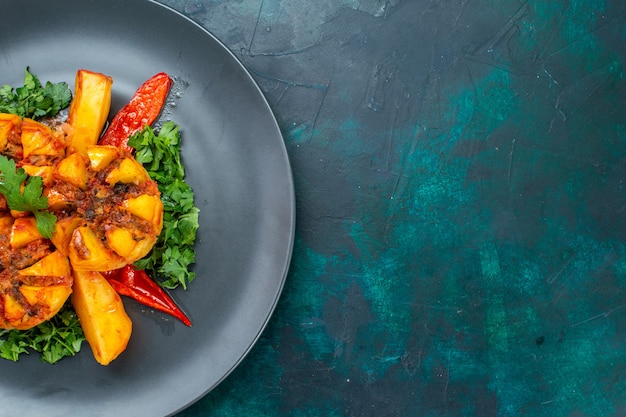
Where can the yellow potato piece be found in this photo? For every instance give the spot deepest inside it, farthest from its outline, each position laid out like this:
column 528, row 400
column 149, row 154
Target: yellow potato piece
column 45, row 172
column 130, row 245
column 8, row 123
column 62, row 235
column 102, row 316
column 128, row 172
column 73, row 170
column 147, row 207
column 88, row 253
column 38, row 139
column 56, row 200
column 6, row 222
column 53, row 296
column 89, row 109
column 54, row 265
column 14, row 315
column 79, row 178
column 24, row 231
column 101, row 156
column 50, row 299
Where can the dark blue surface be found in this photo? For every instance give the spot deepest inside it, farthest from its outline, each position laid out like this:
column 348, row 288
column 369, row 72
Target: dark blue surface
column 459, row 170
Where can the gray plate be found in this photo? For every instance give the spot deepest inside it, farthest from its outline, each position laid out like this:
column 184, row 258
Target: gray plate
column 238, row 166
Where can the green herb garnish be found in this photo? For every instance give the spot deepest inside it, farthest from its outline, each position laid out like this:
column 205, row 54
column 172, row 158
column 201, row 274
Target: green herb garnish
column 174, row 250
column 28, row 198
column 56, row 338
column 34, row 100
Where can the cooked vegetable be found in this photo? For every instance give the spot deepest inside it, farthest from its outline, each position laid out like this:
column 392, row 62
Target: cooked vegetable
column 110, row 213
column 121, row 216
column 89, row 109
column 101, row 313
column 61, row 335
column 142, row 110
column 137, row 284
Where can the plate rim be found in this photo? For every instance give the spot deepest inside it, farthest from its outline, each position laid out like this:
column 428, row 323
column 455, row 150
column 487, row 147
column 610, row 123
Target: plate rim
column 292, row 199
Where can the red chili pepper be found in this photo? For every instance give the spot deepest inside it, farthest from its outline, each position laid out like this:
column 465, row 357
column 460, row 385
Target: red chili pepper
column 142, row 109
column 138, row 285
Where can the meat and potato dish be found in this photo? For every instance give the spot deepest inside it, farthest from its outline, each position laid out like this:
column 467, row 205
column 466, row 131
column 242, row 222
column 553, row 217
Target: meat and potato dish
column 108, row 215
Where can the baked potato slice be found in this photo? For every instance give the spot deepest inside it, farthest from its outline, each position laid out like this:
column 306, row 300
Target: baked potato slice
column 24, row 231
column 39, row 139
column 88, row 253
column 73, row 170
column 102, row 316
column 89, row 109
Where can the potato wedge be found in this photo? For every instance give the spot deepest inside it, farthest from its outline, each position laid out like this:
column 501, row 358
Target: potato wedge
column 45, row 172
column 62, row 235
column 52, row 297
column 39, row 139
column 89, row 109
column 147, row 207
column 23, row 232
column 40, row 291
column 73, row 170
column 53, row 265
column 128, row 172
column 101, row 156
column 102, row 316
column 88, row 253
column 129, row 244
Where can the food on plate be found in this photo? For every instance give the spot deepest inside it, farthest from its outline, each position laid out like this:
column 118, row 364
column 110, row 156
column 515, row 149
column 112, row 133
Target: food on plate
column 35, row 280
column 136, row 283
column 77, row 209
column 109, row 209
column 106, row 325
column 141, row 111
column 89, row 109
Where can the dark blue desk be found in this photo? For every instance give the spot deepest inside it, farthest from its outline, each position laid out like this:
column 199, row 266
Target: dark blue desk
column 461, row 243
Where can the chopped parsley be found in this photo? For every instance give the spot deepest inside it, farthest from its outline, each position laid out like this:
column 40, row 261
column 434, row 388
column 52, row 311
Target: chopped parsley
column 33, row 99
column 26, row 198
column 55, row 339
column 174, row 251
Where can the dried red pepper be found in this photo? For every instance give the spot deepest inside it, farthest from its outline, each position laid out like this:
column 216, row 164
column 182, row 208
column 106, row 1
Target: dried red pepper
column 143, row 109
column 137, row 284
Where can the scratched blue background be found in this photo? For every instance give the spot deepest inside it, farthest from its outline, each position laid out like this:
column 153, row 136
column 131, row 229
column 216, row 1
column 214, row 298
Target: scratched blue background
column 459, row 169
